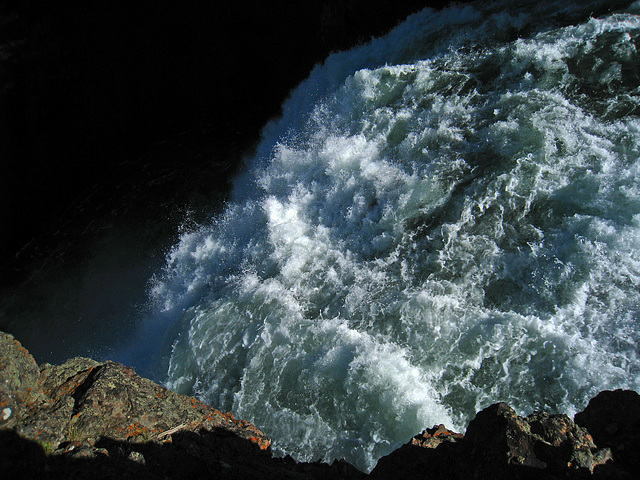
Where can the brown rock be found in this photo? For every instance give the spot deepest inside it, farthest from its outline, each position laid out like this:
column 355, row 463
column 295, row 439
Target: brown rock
column 94, row 399
column 54, row 377
column 86, row 419
column 432, row 437
column 84, row 399
column 19, row 382
column 89, row 420
column 562, row 444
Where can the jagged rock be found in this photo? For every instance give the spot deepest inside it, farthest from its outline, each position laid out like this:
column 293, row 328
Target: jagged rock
column 538, row 446
column 428, row 453
column 112, row 399
column 431, row 454
column 563, row 444
column 84, row 399
column 53, row 376
column 613, row 418
column 19, row 382
column 499, row 437
column 499, row 444
column 86, row 419
column 432, row 437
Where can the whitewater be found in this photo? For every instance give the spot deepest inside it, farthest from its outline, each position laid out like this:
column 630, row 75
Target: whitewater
column 442, row 218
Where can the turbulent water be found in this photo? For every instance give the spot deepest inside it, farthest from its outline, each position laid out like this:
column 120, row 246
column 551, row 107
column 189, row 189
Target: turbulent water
column 446, row 217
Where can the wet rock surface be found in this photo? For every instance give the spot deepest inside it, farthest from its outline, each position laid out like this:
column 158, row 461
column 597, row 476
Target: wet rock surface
column 88, row 419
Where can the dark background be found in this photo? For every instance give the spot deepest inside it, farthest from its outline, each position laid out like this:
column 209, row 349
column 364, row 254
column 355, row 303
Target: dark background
column 121, row 124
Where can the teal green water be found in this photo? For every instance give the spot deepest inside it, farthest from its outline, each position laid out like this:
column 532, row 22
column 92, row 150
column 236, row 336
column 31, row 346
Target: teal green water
column 442, row 219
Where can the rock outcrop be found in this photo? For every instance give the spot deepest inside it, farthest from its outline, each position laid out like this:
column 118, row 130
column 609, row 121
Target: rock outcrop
column 86, row 419
column 84, row 399
column 613, row 419
column 499, row 444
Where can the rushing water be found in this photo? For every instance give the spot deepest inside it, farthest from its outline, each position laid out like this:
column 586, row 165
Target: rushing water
column 444, row 218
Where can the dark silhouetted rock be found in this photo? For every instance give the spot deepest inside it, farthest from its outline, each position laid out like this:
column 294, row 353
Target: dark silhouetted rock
column 497, row 437
column 538, row 446
column 499, row 444
column 613, row 418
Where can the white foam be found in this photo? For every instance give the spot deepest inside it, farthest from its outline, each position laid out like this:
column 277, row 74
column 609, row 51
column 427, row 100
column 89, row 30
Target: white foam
column 413, row 242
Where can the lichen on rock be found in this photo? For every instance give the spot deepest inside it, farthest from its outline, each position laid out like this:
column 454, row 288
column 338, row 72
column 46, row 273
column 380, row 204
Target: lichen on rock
column 70, row 419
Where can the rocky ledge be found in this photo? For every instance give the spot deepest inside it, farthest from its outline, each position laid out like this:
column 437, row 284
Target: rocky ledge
column 86, row 419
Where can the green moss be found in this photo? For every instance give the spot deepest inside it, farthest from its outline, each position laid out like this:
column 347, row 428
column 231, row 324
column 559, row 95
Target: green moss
column 47, row 447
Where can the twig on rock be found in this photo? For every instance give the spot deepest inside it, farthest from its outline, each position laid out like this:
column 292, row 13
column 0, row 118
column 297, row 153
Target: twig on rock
column 171, row 431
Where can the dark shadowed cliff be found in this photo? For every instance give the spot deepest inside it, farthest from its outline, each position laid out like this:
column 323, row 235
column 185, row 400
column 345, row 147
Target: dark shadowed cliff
column 90, row 90
column 121, row 125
